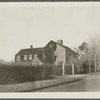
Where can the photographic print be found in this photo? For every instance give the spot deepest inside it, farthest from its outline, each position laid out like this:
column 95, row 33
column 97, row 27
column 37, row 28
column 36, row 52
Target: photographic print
column 50, row 48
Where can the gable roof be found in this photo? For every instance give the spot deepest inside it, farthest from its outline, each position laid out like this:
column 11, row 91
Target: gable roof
column 37, row 50
column 64, row 46
column 29, row 51
column 67, row 48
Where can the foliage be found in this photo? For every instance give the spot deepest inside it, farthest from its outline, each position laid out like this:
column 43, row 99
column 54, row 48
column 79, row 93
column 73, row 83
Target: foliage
column 21, row 73
column 90, row 53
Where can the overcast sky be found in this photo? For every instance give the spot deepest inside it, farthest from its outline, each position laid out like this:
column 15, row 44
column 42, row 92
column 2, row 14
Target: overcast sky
column 21, row 27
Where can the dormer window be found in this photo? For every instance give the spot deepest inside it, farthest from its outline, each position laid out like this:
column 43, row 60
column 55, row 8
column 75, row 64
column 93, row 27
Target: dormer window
column 30, row 57
column 18, row 58
column 25, row 57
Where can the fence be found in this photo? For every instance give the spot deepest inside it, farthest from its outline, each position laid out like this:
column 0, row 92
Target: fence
column 58, row 70
column 24, row 73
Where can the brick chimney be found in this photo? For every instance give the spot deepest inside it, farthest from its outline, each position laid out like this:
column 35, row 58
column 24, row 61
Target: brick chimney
column 60, row 42
column 31, row 46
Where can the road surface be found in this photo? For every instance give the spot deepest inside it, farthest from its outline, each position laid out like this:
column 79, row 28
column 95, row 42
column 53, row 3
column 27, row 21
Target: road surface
column 90, row 84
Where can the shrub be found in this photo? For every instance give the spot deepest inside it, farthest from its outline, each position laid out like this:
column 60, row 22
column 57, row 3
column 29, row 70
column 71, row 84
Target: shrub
column 23, row 73
column 56, row 70
column 20, row 73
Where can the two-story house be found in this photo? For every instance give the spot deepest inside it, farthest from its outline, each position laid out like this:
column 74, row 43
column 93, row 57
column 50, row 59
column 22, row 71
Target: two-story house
column 52, row 53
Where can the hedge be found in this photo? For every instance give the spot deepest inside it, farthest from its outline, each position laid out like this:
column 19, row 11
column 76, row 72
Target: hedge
column 16, row 74
column 25, row 73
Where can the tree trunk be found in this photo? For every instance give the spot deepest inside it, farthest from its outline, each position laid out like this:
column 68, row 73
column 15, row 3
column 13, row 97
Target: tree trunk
column 89, row 66
column 95, row 66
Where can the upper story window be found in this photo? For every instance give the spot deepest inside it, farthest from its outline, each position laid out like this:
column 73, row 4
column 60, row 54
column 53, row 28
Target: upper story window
column 56, row 53
column 50, row 45
column 25, row 57
column 18, row 58
column 30, row 57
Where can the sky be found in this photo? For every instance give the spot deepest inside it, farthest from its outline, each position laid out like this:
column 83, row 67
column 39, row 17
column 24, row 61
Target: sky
column 21, row 27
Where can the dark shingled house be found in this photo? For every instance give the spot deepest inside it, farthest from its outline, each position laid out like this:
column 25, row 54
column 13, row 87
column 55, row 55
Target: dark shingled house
column 52, row 53
column 27, row 55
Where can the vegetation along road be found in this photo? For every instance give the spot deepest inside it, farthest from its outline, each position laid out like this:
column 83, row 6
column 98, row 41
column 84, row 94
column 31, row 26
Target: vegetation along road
column 90, row 84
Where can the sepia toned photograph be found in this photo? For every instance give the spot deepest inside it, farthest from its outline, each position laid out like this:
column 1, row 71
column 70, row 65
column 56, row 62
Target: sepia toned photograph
column 49, row 47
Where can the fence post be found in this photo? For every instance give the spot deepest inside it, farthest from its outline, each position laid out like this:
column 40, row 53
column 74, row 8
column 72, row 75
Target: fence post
column 73, row 69
column 63, row 68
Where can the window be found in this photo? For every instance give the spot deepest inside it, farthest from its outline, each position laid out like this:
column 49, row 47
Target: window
column 50, row 45
column 56, row 53
column 25, row 57
column 18, row 58
column 30, row 57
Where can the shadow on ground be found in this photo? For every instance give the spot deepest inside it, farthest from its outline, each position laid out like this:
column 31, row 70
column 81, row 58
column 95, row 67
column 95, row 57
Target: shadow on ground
column 15, row 81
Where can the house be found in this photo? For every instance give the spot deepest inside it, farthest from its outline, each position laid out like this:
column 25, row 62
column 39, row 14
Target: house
column 53, row 53
column 26, row 55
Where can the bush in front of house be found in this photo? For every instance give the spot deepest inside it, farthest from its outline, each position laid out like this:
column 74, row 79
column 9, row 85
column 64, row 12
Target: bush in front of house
column 21, row 73
column 56, row 70
column 17, row 73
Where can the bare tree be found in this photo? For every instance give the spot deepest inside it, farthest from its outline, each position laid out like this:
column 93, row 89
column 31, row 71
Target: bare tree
column 90, row 52
column 84, row 54
column 94, row 51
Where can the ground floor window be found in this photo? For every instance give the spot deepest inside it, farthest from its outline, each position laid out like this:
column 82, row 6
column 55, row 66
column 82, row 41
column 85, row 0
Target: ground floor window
column 18, row 58
column 25, row 57
column 30, row 57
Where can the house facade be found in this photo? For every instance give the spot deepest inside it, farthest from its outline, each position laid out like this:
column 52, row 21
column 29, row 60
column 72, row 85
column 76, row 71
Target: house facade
column 57, row 53
column 53, row 53
column 26, row 55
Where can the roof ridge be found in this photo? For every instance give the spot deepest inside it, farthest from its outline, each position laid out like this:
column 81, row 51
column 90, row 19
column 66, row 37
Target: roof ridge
column 29, row 51
column 32, row 48
column 66, row 47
